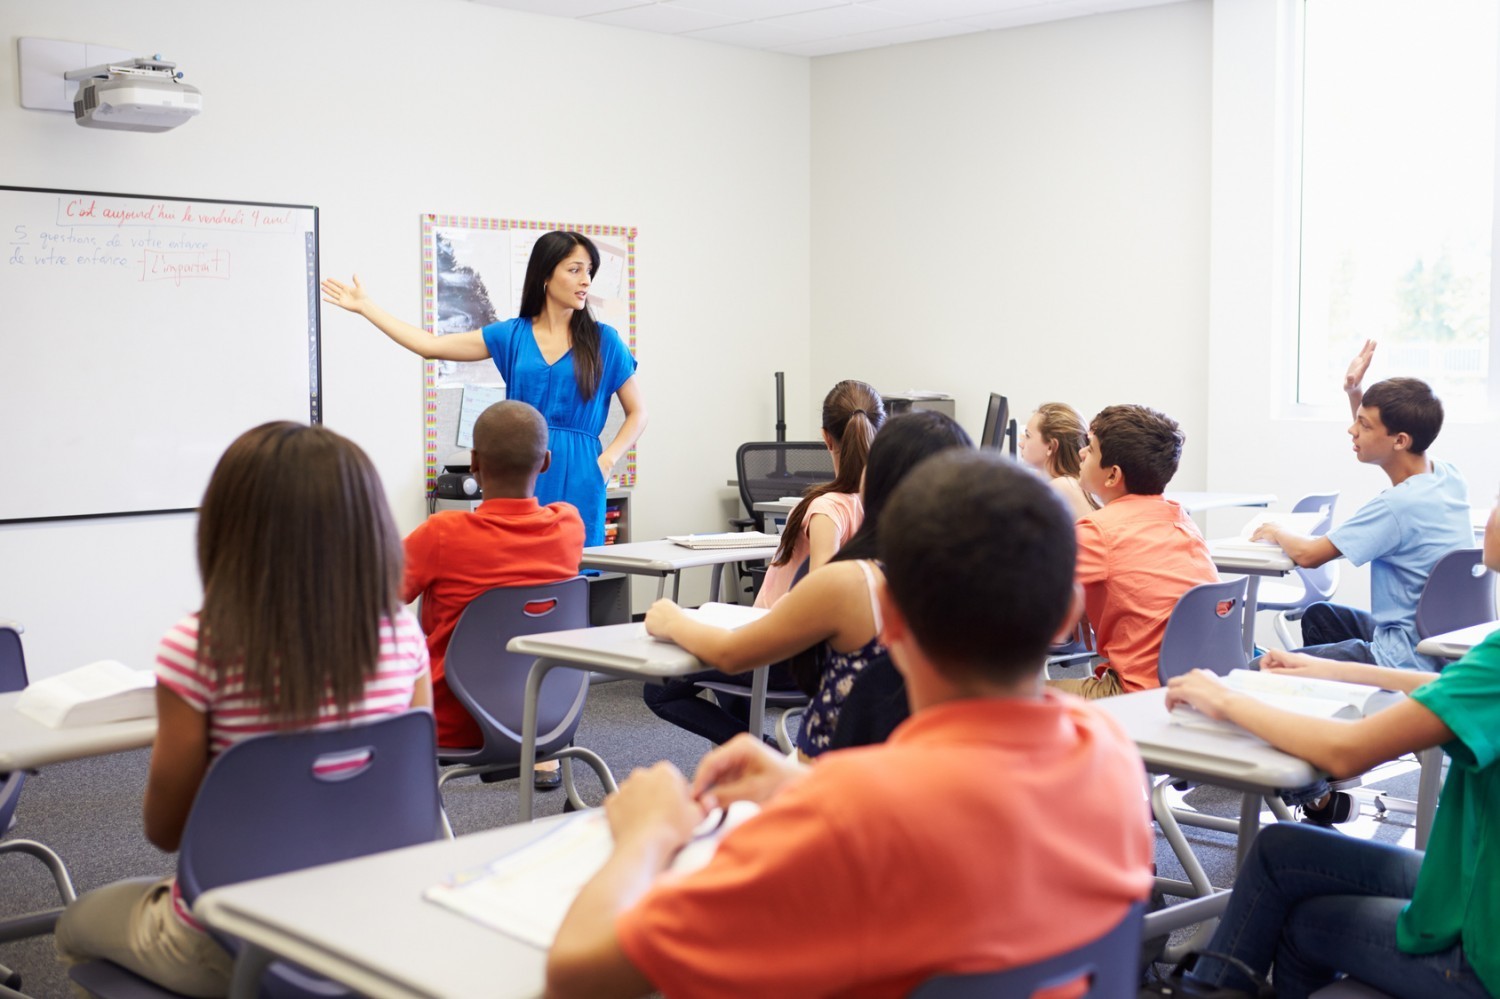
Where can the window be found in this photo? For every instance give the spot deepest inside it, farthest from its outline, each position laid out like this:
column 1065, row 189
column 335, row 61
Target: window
column 1398, row 182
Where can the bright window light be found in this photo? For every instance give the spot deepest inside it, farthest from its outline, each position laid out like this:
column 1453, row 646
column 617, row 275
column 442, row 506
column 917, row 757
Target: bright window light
column 1398, row 181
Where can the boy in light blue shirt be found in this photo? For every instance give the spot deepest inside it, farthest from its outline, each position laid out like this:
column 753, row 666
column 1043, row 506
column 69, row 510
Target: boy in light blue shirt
column 1402, row 533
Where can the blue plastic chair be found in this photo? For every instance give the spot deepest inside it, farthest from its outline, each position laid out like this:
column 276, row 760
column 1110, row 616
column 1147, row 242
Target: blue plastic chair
column 1111, row 965
column 276, row 803
column 1460, row 592
column 13, row 678
column 1304, row 587
column 491, row 682
column 1205, row 631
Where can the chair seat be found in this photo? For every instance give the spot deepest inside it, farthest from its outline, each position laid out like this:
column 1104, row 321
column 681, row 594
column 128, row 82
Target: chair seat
column 774, row 698
column 1287, row 594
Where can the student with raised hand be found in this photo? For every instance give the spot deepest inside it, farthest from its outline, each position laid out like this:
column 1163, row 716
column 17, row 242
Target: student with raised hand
column 830, row 513
column 510, row 540
column 1310, row 903
column 1402, row 533
column 301, row 627
column 1052, row 443
column 1137, row 554
column 883, row 866
column 555, row 357
column 833, row 610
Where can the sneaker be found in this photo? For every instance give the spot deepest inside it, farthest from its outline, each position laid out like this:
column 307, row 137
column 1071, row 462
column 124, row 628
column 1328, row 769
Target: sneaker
column 1339, row 807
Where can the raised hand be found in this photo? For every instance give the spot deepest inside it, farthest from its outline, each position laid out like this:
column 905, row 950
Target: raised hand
column 1354, row 378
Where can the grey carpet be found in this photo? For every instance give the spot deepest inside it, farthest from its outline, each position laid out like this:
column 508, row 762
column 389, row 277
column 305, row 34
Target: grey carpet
column 89, row 811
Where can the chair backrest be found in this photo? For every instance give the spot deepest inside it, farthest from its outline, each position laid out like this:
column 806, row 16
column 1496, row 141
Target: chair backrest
column 1206, row 630
column 282, row 802
column 1460, row 592
column 769, row 470
column 1322, row 581
column 491, row 682
column 1110, row 964
column 12, row 659
column 12, row 678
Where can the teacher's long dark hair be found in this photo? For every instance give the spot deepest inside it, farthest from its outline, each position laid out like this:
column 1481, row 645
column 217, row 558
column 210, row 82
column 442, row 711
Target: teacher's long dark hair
column 549, row 251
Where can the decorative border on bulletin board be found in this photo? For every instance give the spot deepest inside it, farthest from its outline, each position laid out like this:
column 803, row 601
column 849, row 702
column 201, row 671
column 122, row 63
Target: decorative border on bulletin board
column 626, row 477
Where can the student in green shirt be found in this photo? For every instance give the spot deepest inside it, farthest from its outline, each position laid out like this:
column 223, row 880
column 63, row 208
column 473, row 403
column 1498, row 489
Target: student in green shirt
column 1311, row 903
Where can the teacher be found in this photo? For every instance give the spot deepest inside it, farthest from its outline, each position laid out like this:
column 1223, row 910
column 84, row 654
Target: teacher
column 555, row 356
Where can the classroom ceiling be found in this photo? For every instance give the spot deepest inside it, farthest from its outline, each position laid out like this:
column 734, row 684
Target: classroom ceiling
column 819, row 27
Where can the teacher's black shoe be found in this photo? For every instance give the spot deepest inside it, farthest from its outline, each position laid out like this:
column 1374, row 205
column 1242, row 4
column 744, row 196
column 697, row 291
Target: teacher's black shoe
column 546, row 780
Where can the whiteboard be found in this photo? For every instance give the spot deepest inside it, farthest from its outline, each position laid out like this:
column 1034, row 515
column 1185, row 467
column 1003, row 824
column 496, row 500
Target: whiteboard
column 473, row 269
column 138, row 337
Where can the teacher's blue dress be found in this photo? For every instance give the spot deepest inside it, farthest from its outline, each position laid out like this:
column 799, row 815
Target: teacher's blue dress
column 573, row 423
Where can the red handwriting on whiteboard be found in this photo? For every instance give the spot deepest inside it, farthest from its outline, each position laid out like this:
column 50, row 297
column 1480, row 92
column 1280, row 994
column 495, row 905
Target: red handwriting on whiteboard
column 180, row 267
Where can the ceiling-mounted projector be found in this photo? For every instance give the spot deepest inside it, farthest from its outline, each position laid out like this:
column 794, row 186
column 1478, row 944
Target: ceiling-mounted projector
column 143, row 95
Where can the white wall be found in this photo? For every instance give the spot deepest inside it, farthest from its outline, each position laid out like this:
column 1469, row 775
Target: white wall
column 377, row 111
column 1022, row 211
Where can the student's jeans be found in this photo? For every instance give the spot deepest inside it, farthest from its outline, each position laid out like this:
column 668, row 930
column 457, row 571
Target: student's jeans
column 678, row 702
column 1333, row 631
column 1315, row 903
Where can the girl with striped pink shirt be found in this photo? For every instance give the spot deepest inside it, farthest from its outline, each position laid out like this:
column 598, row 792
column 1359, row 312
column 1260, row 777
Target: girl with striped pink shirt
column 301, row 627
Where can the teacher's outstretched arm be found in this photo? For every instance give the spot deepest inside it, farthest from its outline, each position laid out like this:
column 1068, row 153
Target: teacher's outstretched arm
column 634, row 405
column 454, row 347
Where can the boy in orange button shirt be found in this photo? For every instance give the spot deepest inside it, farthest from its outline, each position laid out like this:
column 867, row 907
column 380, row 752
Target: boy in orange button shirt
column 1139, row 553
column 511, row 540
column 882, row 866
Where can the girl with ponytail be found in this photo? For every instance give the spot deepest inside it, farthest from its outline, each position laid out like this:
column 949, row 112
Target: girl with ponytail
column 831, row 512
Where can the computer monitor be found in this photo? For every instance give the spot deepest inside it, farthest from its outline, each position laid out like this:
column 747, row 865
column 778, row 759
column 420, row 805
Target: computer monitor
column 998, row 425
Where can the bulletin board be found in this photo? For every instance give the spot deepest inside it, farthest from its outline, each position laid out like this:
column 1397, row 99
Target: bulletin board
column 139, row 336
column 472, row 272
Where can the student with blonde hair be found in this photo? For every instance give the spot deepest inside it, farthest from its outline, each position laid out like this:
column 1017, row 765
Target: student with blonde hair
column 1053, row 444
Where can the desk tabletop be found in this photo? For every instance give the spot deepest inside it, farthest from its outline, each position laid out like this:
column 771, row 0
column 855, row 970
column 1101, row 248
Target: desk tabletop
column 1238, row 761
column 365, row 923
column 1456, row 644
column 1270, row 562
column 777, row 505
column 662, row 557
column 624, row 649
column 25, row 744
column 1197, row 502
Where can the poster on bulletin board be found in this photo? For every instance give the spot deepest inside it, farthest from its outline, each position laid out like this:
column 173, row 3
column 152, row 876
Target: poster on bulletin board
column 472, row 272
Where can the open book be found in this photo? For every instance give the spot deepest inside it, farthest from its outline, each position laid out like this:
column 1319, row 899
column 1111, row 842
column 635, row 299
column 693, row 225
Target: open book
column 720, row 615
column 101, row 692
column 1302, row 695
column 527, row 893
column 1298, row 523
column 727, row 539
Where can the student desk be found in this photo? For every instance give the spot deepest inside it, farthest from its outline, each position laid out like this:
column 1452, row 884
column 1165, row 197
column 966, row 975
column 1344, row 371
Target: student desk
column 1237, row 761
column 666, row 558
column 1253, row 565
column 621, row 650
column 364, row 923
column 26, row 745
column 1456, row 644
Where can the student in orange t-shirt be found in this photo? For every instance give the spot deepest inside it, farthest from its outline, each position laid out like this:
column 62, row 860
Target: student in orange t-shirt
column 511, row 540
column 1139, row 553
column 881, row 866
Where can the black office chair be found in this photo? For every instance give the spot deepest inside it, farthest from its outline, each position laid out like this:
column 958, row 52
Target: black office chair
column 769, row 470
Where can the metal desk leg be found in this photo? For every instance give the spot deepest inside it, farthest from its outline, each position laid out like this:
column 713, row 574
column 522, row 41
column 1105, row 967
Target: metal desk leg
column 1249, row 827
column 1428, row 786
column 249, row 967
column 677, row 588
column 713, row 582
column 1252, row 596
column 758, row 683
column 539, row 671
column 661, row 586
